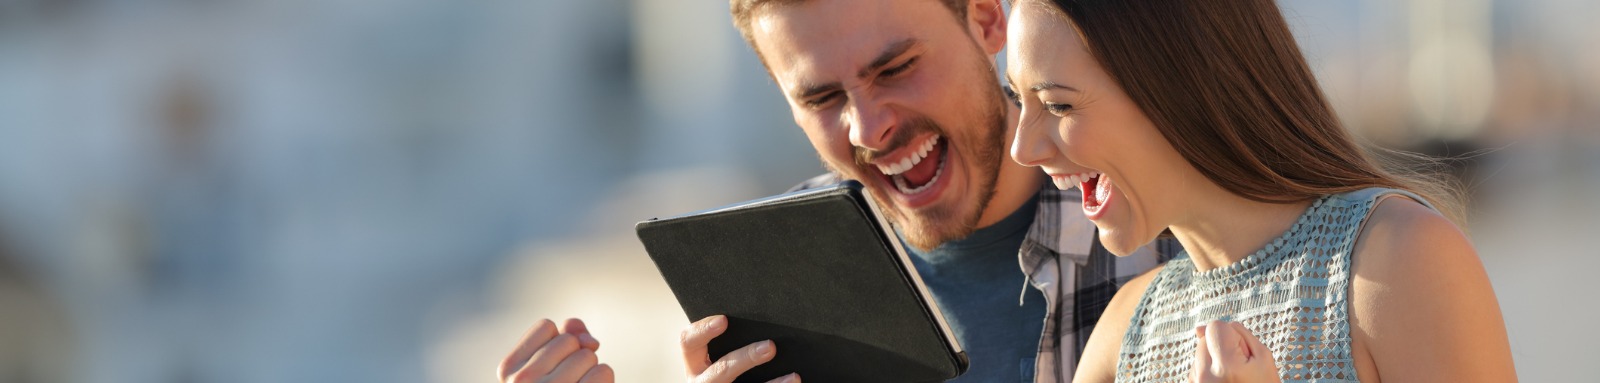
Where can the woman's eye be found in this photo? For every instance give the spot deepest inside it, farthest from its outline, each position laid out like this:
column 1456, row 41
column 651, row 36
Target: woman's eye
column 1057, row 109
column 1012, row 95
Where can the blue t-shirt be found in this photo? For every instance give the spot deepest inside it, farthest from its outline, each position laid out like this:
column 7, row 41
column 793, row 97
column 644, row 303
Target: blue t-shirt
column 976, row 281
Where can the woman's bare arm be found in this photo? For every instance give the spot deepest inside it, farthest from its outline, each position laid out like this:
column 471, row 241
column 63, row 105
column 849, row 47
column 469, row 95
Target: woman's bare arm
column 1422, row 309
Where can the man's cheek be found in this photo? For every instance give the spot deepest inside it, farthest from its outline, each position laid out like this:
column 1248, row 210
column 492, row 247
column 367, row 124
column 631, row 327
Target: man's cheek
column 840, row 155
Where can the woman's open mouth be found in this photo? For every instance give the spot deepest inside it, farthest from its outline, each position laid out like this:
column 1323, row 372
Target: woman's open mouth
column 1096, row 195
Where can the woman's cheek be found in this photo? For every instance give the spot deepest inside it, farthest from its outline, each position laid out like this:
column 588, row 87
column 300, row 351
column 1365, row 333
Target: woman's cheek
column 1079, row 144
column 1064, row 137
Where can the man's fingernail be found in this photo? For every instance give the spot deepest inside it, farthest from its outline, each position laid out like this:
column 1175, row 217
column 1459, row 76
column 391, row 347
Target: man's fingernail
column 764, row 349
column 718, row 322
column 586, row 338
column 793, row 377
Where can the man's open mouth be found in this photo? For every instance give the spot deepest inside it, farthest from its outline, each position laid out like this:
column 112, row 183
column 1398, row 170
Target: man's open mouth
column 914, row 174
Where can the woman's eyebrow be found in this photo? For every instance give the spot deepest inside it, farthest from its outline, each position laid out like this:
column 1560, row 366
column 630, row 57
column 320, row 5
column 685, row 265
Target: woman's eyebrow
column 1051, row 85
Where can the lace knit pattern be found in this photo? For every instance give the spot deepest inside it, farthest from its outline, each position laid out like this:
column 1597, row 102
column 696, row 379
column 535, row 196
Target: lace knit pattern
column 1293, row 295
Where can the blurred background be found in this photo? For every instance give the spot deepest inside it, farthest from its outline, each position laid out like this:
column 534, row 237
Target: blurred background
column 393, row 191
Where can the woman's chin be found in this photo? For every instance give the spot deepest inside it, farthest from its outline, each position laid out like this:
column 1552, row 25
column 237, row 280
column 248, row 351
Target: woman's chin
column 1117, row 242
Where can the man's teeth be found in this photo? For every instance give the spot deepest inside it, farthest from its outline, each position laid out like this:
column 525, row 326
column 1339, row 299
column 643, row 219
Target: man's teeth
column 908, row 162
column 900, row 181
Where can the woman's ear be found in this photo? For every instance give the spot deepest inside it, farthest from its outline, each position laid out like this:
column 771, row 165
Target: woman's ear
column 986, row 20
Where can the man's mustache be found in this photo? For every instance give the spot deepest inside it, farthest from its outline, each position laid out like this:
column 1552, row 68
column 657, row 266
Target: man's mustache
column 902, row 136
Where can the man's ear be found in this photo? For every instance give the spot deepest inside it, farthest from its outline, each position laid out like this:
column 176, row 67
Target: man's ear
column 986, row 20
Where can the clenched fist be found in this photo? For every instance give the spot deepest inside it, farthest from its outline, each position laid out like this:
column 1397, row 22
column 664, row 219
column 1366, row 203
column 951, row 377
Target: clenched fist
column 550, row 355
column 1226, row 352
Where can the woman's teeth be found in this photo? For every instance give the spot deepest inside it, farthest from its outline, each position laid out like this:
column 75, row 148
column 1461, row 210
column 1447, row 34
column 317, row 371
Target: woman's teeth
column 1102, row 190
column 1076, row 180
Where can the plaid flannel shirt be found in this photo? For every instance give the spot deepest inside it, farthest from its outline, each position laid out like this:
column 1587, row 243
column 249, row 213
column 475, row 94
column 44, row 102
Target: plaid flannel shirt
column 1062, row 258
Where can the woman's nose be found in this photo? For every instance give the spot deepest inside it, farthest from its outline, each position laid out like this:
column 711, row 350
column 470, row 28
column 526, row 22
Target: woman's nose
column 1028, row 147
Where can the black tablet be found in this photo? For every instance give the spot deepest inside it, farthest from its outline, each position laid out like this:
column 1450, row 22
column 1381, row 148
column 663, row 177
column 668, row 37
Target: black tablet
column 818, row 271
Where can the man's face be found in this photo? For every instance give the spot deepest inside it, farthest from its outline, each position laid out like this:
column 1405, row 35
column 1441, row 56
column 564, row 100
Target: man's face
column 898, row 95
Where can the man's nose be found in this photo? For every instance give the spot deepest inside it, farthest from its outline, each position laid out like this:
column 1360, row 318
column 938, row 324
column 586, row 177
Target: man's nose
column 872, row 124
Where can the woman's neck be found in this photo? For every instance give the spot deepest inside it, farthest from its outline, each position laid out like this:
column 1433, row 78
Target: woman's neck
column 1225, row 228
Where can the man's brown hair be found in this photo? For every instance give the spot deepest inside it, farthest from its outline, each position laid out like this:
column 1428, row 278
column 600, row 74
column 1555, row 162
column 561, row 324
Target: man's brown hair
column 744, row 10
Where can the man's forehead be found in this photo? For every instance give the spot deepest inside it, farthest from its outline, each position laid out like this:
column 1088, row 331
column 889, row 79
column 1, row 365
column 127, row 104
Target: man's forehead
column 835, row 38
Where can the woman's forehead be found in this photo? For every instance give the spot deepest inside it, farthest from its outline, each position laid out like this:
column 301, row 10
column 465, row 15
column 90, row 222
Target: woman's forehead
column 1040, row 41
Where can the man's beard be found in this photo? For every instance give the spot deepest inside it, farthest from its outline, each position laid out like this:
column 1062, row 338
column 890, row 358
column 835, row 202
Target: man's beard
column 982, row 147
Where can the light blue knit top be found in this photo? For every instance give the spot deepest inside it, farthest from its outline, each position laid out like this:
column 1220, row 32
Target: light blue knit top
column 1293, row 295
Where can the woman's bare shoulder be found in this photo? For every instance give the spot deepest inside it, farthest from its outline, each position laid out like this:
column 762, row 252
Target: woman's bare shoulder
column 1421, row 303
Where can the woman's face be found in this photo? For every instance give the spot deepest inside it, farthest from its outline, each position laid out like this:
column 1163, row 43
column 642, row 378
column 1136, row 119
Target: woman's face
column 1079, row 126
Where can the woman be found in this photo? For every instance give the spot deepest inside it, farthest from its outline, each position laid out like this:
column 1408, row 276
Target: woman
column 1305, row 260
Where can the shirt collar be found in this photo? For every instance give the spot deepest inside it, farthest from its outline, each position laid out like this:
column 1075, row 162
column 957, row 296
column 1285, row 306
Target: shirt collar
column 1058, row 228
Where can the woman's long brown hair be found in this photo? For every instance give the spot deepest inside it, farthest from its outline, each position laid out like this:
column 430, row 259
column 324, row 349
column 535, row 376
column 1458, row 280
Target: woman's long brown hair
column 1226, row 84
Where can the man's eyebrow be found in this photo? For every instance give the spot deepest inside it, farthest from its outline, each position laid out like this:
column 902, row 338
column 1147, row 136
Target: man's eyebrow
column 889, row 54
column 808, row 91
column 1050, row 85
column 894, row 50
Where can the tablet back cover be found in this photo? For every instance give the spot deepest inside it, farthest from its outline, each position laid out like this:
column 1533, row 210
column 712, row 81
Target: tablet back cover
column 816, row 271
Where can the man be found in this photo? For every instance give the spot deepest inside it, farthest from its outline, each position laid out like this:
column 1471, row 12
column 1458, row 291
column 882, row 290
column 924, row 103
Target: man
column 903, row 96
